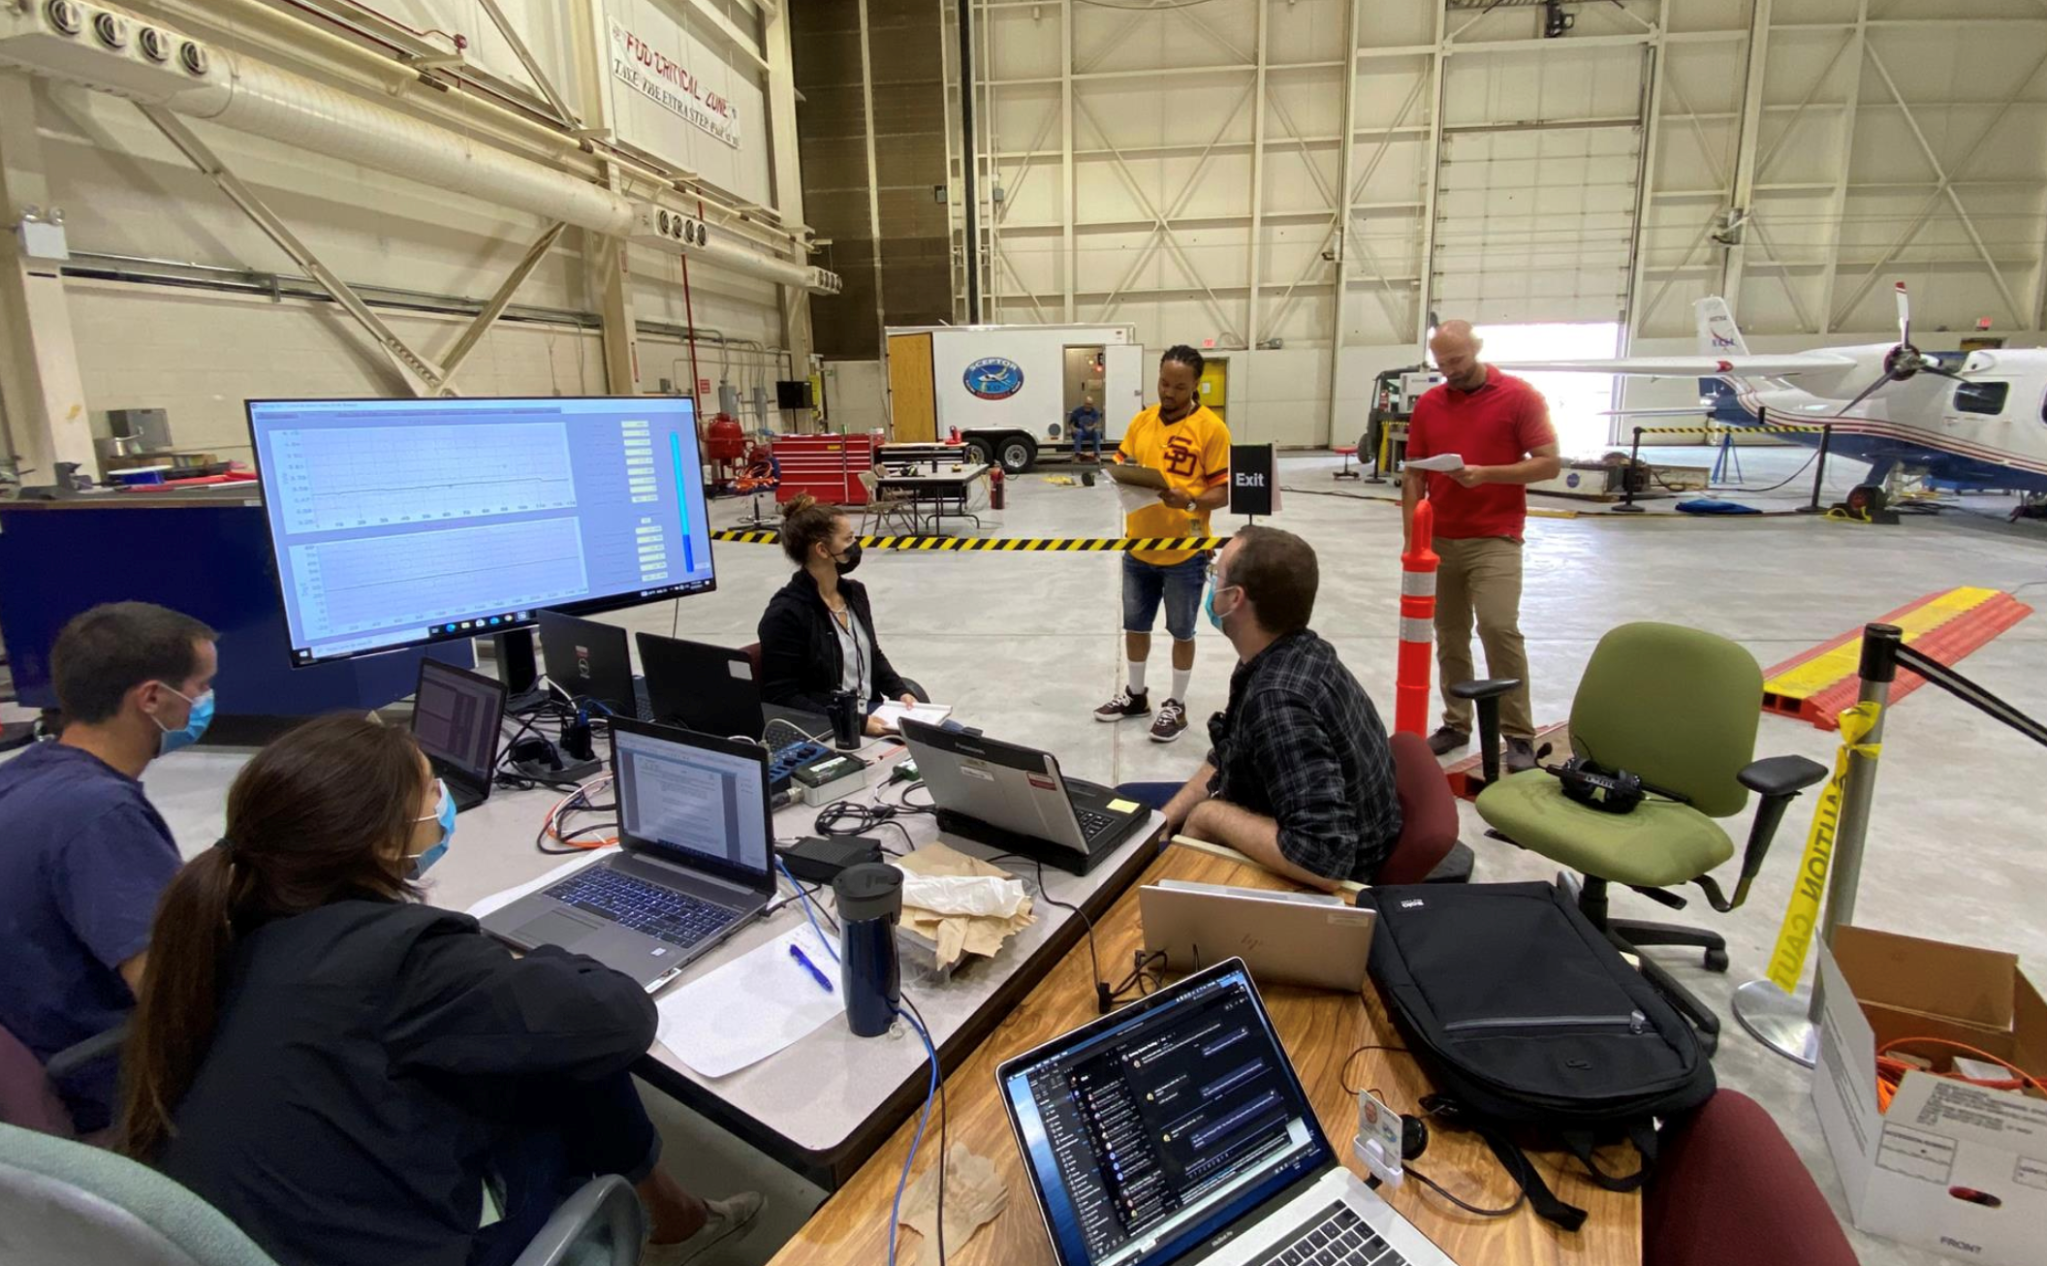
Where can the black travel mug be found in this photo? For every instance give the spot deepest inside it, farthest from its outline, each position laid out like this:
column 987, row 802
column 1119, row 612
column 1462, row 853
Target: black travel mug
column 870, row 901
column 847, row 722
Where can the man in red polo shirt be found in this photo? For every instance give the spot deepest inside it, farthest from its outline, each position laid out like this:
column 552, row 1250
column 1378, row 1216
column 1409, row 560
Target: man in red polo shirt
column 1500, row 426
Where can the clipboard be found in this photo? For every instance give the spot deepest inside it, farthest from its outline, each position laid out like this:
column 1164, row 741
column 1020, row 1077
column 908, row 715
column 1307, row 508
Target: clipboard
column 1131, row 476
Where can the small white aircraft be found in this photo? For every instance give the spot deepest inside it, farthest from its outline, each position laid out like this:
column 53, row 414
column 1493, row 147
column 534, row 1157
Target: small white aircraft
column 1975, row 420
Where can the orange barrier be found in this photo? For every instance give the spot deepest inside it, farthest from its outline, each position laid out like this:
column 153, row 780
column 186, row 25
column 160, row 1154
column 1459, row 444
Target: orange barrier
column 1417, row 625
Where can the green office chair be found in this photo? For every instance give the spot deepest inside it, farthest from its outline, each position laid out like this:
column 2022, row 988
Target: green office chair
column 64, row 1203
column 1679, row 708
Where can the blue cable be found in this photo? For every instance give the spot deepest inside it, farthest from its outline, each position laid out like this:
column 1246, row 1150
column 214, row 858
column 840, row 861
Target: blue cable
column 829, row 948
column 896, row 1210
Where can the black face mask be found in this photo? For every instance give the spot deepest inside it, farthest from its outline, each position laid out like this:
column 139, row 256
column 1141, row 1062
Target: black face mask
column 850, row 561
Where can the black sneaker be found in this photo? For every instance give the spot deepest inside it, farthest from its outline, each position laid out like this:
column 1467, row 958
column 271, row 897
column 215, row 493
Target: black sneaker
column 1446, row 740
column 1171, row 722
column 1519, row 756
column 1124, row 706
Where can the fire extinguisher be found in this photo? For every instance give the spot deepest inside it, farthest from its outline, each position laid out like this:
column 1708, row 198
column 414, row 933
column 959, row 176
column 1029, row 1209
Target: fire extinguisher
column 995, row 497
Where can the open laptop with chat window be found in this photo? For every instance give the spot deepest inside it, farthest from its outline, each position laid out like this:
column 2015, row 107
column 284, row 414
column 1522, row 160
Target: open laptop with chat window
column 694, row 865
column 1176, row 1131
column 1016, row 799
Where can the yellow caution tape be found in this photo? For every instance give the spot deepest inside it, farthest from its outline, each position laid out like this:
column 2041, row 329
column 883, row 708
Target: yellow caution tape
column 1006, row 544
column 1802, row 915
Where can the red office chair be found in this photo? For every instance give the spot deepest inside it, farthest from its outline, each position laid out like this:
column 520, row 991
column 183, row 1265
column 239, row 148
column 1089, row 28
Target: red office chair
column 1428, row 814
column 27, row 1098
column 1728, row 1188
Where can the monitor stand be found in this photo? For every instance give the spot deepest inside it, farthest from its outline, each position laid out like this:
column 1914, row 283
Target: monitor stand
column 519, row 669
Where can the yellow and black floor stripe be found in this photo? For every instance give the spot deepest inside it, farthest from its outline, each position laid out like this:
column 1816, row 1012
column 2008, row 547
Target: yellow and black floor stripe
column 1005, row 544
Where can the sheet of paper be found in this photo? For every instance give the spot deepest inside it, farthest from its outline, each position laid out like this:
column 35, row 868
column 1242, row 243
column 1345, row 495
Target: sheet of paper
column 1127, row 475
column 757, row 1004
column 1442, row 463
column 499, row 900
column 1133, row 499
column 892, row 714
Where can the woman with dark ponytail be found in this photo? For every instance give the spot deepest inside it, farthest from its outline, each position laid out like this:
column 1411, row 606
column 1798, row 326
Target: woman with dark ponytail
column 341, row 1069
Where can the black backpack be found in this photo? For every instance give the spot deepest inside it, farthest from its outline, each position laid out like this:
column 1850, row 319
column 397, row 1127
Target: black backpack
column 1531, row 1025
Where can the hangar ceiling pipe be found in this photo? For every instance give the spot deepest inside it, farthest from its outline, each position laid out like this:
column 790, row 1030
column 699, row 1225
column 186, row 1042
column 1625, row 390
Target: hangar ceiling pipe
column 69, row 41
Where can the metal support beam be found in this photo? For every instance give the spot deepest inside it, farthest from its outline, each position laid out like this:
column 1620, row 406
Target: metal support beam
column 42, row 397
column 786, row 155
column 1645, row 172
column 1432, row 172
column 1741, row 193
column 1067, row 193
column 480, row 324
column 422, row 377
column 1254, row 238
column 1345, row 164
column 874, row 180
column 526, row 59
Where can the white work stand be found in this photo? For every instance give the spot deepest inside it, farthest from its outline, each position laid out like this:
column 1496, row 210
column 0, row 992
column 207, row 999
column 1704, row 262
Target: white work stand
column 827, row 1103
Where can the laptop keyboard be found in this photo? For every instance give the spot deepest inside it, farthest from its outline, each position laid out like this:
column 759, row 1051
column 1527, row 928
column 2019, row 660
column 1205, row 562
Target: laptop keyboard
column 1336, row 1235
column 660, row 912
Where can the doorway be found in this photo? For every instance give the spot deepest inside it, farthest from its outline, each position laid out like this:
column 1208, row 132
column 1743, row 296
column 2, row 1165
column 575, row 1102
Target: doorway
column 1579, row 404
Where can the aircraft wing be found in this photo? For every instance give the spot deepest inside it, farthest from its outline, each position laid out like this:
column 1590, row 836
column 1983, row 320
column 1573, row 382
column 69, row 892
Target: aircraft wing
column 1750, row 365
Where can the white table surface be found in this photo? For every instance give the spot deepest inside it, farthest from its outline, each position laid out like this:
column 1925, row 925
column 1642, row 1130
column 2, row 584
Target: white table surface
column 816, row 1094
column 919, row 478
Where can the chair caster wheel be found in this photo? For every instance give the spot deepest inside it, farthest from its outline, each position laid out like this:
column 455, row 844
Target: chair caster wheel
column 1716, row 960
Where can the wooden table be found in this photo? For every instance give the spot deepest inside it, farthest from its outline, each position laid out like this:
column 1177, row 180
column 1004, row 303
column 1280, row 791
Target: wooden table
column 1319, row 1029
column 936, row 491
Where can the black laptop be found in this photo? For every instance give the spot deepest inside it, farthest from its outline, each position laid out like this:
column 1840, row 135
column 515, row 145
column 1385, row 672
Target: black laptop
column 591, row 660
column 1015, row 798
column 457, row 720
column 714, row 689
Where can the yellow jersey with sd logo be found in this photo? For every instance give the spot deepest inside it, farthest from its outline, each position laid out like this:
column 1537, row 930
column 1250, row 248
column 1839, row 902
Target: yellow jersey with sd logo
column 1194, row 456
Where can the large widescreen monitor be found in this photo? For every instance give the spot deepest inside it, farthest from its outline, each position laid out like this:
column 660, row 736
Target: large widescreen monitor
column 401, row 522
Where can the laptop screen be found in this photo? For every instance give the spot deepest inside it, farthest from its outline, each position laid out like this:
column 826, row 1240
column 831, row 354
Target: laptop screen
column 1151, row 1130
column 700, row 799
column 456, row 717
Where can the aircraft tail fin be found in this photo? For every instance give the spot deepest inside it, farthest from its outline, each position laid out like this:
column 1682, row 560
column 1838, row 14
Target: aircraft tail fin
column 1717, row 333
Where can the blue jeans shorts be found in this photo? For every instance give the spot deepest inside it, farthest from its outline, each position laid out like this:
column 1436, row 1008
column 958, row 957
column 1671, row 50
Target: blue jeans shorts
column 1178, row 585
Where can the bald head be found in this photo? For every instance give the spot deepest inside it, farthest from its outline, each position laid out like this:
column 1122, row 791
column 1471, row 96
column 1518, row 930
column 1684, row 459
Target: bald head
column 1455, row 346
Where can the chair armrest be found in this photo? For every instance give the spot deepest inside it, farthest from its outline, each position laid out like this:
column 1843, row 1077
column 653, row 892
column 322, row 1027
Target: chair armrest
column 1779, row 779
column 601, row 1210
column 93, row 1049
column 1224, row 850
column 1781, row 775
column 1485, row 688
column 1486, row 693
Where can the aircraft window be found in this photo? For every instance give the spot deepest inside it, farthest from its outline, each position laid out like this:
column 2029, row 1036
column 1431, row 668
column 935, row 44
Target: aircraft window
column 1981, row 397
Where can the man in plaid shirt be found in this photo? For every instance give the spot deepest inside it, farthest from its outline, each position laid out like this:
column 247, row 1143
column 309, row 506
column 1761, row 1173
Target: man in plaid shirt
column 1299, row 776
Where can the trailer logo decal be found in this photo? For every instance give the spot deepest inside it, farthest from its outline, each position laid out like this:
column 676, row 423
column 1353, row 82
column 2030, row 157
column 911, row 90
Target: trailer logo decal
column 994, row 378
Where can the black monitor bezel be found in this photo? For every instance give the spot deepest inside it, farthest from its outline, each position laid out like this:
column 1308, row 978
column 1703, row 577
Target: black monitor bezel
column 587, row 606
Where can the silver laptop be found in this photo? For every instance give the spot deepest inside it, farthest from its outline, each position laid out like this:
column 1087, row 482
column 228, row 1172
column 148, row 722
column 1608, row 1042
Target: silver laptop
column 1016, row 799
column 1175, row 1130
column 694, row 866
column 1285, row 938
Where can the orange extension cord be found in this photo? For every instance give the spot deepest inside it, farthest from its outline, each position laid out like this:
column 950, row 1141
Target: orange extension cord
column 1891, row 1072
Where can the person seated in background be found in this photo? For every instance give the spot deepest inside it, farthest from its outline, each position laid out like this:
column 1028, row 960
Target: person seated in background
column 338, row 1067
column 1084, row 425
column 1299, row 777
column 83, row 854
column 817, row 636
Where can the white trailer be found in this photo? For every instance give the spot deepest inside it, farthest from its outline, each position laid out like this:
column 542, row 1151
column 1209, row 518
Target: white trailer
column 1008, row 388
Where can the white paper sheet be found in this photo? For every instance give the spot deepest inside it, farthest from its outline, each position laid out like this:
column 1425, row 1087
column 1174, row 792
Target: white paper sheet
column 1442, row 463
column 499, row 900
column 1134, row 499
column 892, row 714
column 752, row 1007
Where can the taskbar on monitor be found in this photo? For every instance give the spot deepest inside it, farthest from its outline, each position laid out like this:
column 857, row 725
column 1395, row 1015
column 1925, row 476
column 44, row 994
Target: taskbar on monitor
column 480, row 626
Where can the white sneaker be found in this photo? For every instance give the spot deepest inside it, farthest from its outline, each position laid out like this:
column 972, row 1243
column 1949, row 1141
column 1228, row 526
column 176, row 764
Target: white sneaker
column 731, row 1219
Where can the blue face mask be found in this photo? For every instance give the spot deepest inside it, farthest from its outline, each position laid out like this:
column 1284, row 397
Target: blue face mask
column 196, row 721
column 1208, row 605
column 445, row 815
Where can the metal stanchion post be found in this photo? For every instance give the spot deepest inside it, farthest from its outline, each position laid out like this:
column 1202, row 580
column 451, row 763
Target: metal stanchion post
column 1819, row 473
column 1627, row 505
column 1788, row 1023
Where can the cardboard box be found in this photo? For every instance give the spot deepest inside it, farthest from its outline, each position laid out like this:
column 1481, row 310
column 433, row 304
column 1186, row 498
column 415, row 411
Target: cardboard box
column 1954, row 1168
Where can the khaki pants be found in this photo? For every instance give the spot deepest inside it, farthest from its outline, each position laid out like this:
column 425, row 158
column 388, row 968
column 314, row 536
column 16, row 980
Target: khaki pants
column 1482, row 576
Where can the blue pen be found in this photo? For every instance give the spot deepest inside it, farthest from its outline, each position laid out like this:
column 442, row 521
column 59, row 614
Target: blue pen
column 824, row 981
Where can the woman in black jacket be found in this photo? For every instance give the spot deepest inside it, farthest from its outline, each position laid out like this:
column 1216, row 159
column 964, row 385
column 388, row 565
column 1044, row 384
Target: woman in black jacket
column 817, row 636
column 340, row 1069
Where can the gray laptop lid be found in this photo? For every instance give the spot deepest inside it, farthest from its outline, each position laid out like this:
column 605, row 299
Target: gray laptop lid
column 1016, row 788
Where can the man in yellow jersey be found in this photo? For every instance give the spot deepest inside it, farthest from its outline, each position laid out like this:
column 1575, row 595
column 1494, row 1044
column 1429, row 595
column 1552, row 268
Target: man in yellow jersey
column 1183, row 440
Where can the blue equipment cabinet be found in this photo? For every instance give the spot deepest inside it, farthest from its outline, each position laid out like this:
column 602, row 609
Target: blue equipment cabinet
column 206, row 553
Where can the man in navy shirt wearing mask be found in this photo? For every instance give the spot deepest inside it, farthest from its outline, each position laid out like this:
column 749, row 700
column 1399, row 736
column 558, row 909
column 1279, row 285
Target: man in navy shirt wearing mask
column 83, row 854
